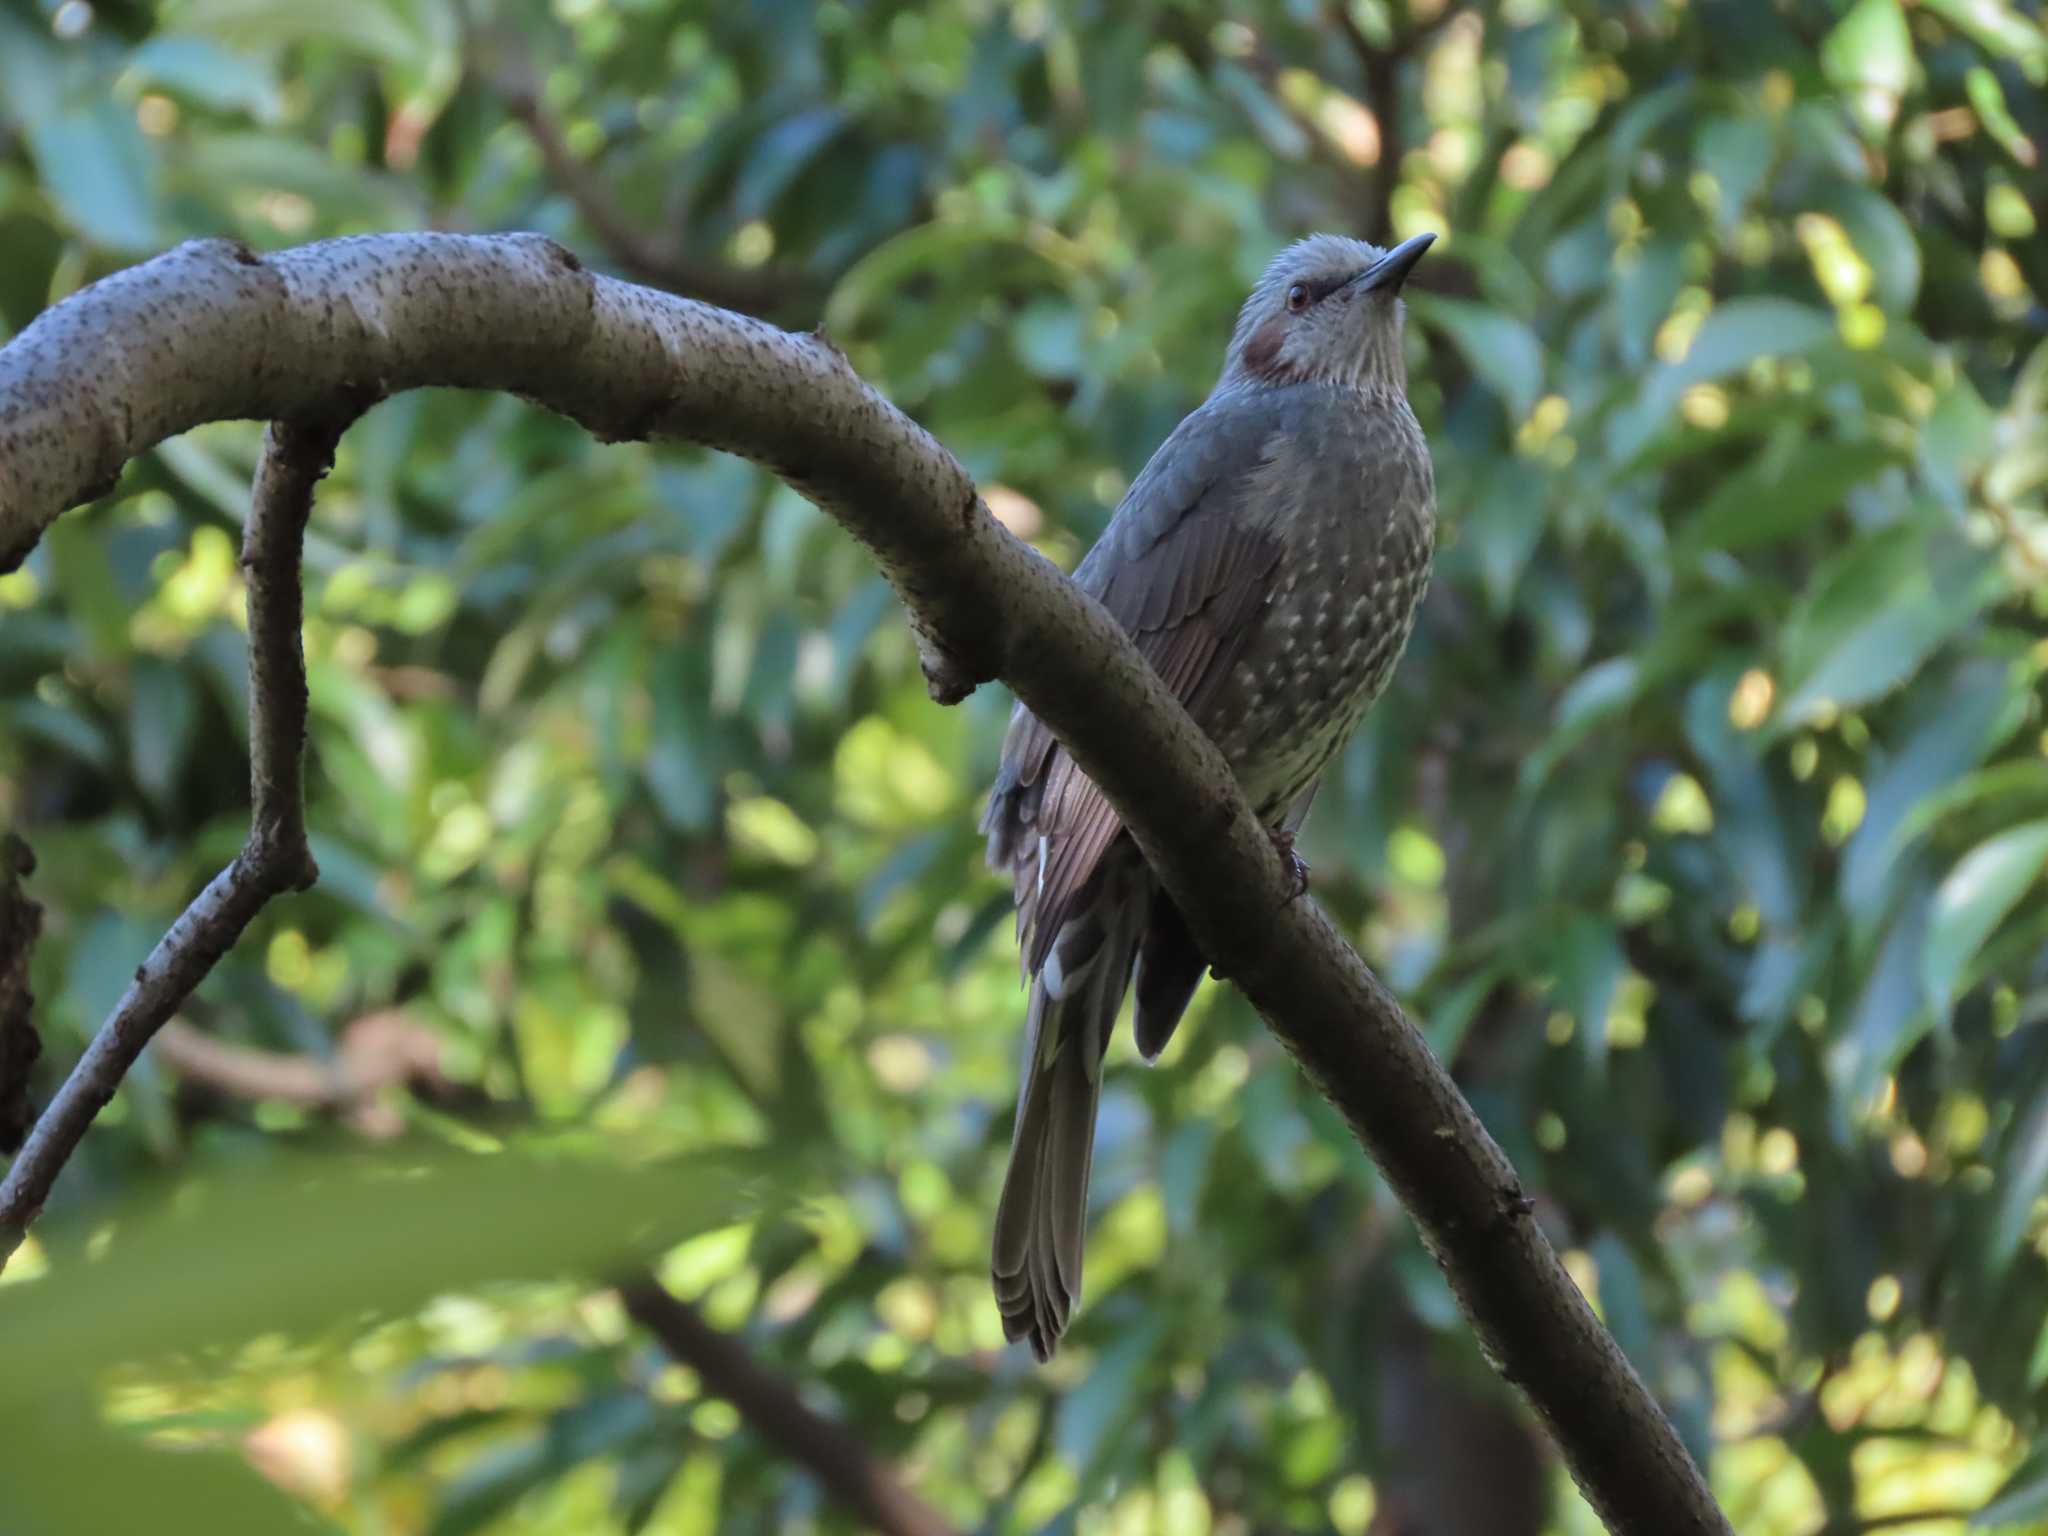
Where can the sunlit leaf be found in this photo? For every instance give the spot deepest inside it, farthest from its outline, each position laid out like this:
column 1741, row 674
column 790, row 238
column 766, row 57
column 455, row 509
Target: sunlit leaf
column 304, row 1242
column 1870, row 49
column 1882, row 237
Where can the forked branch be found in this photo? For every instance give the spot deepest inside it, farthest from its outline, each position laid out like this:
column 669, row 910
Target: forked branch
column 274, row 859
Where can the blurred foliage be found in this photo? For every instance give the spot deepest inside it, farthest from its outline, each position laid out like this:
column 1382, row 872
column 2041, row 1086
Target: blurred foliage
column 1704, row 828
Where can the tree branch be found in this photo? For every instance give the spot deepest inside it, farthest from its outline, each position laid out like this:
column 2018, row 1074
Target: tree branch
column 209, row 332
column 21, row 921
column 1380, row 69
column 275, row 858
column 838, row 1460
column 375, row 1052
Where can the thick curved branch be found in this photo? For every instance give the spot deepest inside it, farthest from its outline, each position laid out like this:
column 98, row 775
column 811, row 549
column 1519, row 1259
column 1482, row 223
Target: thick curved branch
column 828, row 1449
column 211, row 331
column 274, row 859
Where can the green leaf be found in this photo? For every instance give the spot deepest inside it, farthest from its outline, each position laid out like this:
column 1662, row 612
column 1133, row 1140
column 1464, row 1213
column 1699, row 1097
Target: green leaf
column 97, row 169
column 1184, row 1173
column 1736, row 152
column 1987, row 99
column 1766, row 501
column 1888, row 1017
column 1096, row 1413
column 492, row 1483
column 1623, row 1304
column 1909, row 786
column 942, row 250
column 1589, row 968
column 1883, row 239
column 598, row 1426
column 1648, row 288
column 1737, row 333
column 1639, row 122
column 2022, row 1172
column 1453, row 1015
column 1874, row 613
column 103, row 958
column 1272, row 122
column 1870, row 48
column 201, row 70
column 1733, row 336
column 780, row 155
column 91, row 592
column 377, row 29
column 683, row 767
column 1502, row 526
column 163, row 711
column 2000, row 30
column 68, row 1472
column 1500, row 349
column 299, row 1243
column 225, row 165
column 1603, row 691
column 1956, row 441
column 1051, row 339
column 1985, row 885
column 292, row 1247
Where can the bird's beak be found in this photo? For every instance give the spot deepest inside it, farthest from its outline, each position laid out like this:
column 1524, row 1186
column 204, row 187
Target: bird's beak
column 1391, row 270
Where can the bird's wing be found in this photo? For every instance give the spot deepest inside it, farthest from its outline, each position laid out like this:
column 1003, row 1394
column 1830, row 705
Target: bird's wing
column 1184, row 566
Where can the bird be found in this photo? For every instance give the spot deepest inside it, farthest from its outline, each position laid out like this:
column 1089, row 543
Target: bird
column 1268, row 562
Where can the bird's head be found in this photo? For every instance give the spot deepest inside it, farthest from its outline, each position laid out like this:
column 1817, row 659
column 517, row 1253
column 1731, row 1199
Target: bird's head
column 1327, row 308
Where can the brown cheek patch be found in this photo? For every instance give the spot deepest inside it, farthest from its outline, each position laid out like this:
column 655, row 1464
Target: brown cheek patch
column 1262, row 352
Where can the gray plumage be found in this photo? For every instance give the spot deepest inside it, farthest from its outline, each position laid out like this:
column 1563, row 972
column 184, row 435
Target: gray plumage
column 1268, row 562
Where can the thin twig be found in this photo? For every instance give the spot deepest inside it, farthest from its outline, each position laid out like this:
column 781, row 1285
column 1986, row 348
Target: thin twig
column 1804, row 1410
column 274, row 859
column 375, row 1052
column 842, row 1465
column 1859, row 1525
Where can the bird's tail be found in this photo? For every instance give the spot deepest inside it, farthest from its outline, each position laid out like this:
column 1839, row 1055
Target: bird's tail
column 1042, row 1217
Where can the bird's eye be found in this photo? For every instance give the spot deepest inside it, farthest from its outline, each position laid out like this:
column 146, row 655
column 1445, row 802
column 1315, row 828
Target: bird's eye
column 1297, row 298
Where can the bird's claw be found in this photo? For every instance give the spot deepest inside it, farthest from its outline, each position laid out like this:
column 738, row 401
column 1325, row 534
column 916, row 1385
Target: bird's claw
column 1297, row 866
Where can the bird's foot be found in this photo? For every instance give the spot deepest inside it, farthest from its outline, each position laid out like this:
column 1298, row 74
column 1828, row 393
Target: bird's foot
column 1297, row 866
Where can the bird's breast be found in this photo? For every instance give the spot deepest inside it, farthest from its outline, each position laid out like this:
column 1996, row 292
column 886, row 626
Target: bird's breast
column 1352, row 574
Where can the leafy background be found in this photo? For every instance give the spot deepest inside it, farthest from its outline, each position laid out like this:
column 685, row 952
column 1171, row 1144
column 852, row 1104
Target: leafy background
column 1704, row 827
